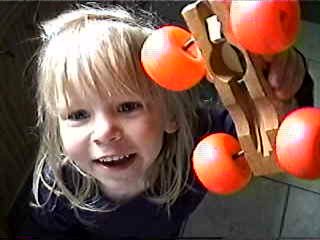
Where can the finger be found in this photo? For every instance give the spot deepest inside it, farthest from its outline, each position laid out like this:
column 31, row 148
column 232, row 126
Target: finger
column 278, row 69
column 282, row 92
column 267, row 57
column 285, row 73
column 259, row 62
column 293, row 78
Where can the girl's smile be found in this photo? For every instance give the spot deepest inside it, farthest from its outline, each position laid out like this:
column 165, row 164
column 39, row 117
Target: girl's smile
column 116, row 163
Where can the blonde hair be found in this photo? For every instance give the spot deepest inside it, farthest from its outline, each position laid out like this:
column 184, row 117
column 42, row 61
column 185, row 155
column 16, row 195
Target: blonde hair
column 80, row 48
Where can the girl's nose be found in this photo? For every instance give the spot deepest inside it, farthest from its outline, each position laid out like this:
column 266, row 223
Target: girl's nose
column 106, row 130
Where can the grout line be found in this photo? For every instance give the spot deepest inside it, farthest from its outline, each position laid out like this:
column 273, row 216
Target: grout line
column 312, row 59
column 285, row 208
column 293, row 186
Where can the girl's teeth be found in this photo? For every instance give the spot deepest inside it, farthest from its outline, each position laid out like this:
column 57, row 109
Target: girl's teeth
column 113, row 158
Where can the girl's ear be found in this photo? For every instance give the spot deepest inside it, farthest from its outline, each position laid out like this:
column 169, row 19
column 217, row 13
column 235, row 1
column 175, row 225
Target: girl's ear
column 171, row 126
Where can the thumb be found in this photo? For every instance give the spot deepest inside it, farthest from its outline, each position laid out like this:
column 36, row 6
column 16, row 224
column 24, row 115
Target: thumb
column 267, row 58
column 261, row 62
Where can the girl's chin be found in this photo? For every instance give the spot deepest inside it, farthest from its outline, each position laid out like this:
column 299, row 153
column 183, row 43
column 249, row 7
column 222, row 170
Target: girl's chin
column 122, row 192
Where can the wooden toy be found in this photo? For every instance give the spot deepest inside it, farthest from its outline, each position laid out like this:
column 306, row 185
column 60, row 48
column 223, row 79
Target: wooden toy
column 243, row 90
column 178, row 60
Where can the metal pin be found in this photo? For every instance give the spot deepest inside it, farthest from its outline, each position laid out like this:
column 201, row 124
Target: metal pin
column 238, row 154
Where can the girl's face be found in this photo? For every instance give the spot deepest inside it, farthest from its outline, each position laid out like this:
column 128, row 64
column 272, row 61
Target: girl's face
column 114, row 139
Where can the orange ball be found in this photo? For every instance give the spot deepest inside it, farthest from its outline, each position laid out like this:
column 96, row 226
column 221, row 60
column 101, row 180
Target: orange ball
column 215, row 165
column 168, row 60
column 298, row 143
column 265, row 27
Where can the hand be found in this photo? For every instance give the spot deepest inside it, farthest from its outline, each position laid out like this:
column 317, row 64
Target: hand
column 285, row 70
column 285, row 73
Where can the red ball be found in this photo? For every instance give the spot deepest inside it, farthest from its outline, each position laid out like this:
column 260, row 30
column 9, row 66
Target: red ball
column 298, row 143
column 265, row 27
column 216, row 167
column 170, row 61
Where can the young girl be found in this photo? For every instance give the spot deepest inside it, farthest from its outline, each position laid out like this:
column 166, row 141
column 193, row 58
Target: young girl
column 115, row 151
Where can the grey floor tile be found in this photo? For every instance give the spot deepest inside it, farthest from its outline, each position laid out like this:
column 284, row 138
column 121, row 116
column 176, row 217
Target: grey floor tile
column 254, row 213
column 308, row 40
column 303, row 215
column 314, row 69
column 305, row 184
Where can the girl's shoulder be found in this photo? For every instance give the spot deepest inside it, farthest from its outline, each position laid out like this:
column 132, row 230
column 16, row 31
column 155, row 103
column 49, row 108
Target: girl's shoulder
column 48, row 193
column 50, row 211
column 214, row 117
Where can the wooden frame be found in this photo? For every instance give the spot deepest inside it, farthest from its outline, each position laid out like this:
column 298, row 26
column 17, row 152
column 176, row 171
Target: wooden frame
column 243, row 90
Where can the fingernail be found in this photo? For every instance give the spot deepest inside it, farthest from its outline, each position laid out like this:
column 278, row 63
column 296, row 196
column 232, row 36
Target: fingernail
column 273, row 81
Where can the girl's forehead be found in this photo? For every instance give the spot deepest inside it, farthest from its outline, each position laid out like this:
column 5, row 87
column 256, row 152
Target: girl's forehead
column 78, row 86
column 89, row 97
column 76, row 95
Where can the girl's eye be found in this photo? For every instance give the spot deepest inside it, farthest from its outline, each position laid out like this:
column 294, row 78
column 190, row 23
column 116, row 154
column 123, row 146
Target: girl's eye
column 128, row 107
column 78, row 115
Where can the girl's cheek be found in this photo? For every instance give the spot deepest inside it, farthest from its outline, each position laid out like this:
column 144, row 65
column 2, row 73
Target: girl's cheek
column 76, row 151
column 74, row 142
